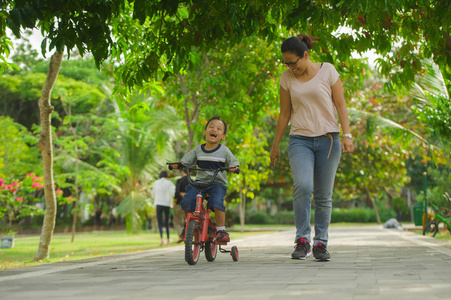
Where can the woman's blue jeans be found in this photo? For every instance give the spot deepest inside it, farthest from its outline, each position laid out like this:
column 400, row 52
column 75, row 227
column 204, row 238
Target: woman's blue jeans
column 314, row 162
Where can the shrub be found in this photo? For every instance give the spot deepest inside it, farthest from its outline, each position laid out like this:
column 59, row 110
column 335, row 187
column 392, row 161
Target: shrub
column 232, row 217
column 284, row 218
column 353, row 215
column 386, row 213
column 258, row 217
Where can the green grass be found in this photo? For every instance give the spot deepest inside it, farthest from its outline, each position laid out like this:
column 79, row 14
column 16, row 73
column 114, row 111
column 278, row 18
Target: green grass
column 86, row 245
column 441, row 235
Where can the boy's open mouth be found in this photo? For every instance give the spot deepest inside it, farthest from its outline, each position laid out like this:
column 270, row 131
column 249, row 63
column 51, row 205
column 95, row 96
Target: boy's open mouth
column 213, row 134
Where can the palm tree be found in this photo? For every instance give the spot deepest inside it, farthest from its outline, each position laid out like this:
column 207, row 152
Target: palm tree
column 146, row 135
column 433, row 108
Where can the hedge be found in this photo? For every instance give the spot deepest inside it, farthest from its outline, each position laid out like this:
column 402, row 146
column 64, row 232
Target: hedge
column 351, row 215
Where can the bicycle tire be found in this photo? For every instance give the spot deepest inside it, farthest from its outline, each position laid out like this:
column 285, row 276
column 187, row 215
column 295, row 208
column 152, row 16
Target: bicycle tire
column 192, row 242
column 431, row 228
column 234, row 253
column 211, row 248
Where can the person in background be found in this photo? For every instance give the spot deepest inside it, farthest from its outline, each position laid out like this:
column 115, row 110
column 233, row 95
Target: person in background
column 180, row 191
column 162, row 192
column 98, row 218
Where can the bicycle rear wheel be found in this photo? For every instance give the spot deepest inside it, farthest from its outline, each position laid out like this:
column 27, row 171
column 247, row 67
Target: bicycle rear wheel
column 211, row 247
column 431, row 228
column 192, row 242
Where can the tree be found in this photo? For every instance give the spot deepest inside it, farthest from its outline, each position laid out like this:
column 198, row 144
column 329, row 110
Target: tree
column 72, row 23
column 142, row 36
column 239, row 86
column 145, row 131
column 254, row 161
column 45, row 145
column 75, row 141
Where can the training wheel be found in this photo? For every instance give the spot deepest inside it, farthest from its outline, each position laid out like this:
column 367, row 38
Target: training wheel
column 234, row 253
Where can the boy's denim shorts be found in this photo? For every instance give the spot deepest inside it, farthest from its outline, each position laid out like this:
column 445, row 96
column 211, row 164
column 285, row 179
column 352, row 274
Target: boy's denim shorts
column 217, row 192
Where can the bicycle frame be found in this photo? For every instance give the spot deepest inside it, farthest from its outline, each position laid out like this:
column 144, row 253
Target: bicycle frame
column 202, row 215
column 434, row 220
column 446, row 221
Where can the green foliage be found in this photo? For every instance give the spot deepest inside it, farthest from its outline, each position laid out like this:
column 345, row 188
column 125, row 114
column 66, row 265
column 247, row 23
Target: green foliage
column 129, row 208
column 361, row 215
column 154, row 39
column 70, row 24
column 20, row 93
column 5, row 41
column 140, row 134
column 17, row 156
column 432, row 108
column 353, row 215
column 236, row 82
column 437, row 116
column 24, row 56
column 284, row 217
column 258, row 217
column 339, row 215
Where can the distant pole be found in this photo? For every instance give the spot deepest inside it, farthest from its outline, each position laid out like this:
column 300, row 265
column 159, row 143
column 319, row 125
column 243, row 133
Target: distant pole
column 425, row 203
column 409, row 204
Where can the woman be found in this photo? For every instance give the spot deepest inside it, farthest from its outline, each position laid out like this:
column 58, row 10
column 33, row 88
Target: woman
column 310, row 93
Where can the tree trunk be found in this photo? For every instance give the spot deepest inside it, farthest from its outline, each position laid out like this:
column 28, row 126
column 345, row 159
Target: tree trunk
column 374, row 206
column 190, row 116
column 45, row 145
column 242, row 209
column 243, row 205
column 77, row 164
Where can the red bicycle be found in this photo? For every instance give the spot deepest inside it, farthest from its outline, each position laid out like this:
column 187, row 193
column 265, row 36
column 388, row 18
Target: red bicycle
column 200, row 234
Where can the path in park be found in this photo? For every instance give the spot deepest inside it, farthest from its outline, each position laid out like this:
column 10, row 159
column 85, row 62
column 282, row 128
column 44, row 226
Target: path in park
column 368, row 262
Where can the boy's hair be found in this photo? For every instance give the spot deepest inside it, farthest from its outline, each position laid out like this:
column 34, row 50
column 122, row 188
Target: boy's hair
column 217, row 118
column 163, row 174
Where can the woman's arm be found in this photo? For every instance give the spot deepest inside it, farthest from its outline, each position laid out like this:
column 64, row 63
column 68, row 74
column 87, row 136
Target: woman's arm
column 282, row 123
column 340, row 104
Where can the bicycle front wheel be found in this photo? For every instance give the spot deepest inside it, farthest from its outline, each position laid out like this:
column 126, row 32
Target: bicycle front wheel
column 431, row 228
column 192, row 242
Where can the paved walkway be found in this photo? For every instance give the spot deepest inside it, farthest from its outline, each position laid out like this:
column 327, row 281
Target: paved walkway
column 367, row 263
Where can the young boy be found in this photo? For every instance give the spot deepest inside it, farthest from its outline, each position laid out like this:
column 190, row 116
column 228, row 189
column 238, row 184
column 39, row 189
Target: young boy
column 211, row 155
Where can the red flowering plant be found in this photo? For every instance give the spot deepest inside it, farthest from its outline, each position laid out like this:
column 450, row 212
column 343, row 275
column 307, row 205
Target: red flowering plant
column 19, row 199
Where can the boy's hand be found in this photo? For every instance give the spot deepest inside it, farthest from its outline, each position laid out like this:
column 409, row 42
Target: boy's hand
column 234, row 169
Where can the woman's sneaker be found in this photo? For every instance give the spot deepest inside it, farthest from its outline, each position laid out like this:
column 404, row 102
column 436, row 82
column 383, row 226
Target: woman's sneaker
column 301, row 250
column 320, row 252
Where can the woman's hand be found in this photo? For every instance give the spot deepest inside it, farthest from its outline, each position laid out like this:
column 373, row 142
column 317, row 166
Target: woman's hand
column 275, row 155
column 347, row 146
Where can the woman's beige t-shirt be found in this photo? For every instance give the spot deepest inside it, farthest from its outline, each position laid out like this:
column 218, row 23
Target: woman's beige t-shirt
column 312, row 108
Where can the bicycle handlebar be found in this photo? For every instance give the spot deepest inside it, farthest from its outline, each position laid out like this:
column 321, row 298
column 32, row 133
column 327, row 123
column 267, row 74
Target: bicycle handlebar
column 201, row 184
